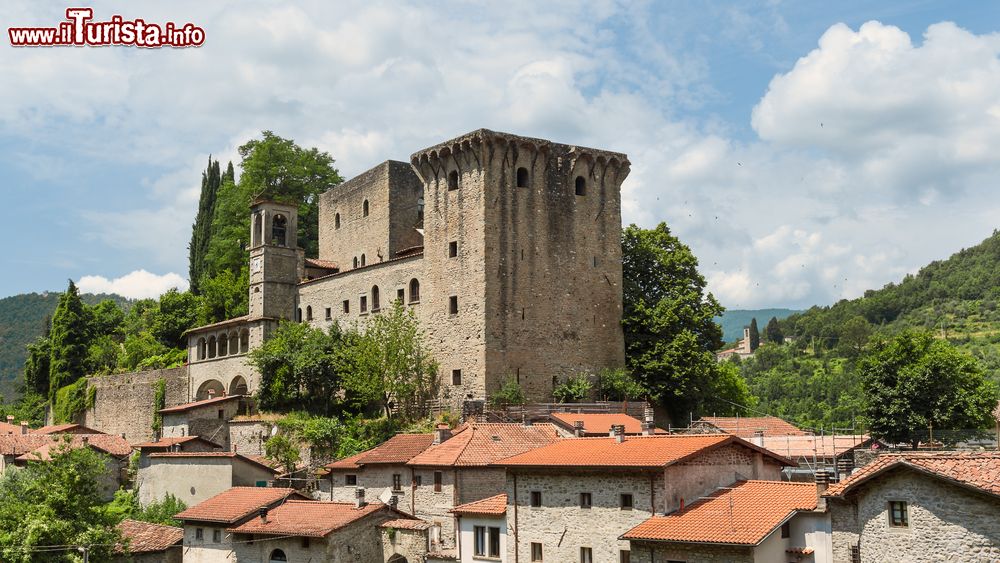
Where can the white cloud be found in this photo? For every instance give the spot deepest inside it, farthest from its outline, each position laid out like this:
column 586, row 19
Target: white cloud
column 139, row 284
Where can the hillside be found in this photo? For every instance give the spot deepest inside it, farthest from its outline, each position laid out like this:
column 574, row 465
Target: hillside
column 22, row 319
column 733, row 321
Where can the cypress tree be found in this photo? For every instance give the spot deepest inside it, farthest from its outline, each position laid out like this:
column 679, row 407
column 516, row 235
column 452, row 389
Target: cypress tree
column 68, row 341
column 772, row 332
column 201, row 231
column 754, row 335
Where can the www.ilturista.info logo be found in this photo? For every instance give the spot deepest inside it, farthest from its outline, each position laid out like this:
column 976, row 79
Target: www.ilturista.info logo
column 78, row 30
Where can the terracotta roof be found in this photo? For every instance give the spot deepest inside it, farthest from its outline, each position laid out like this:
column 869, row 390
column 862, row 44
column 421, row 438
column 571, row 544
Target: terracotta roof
column 308, row 518
column 145, row 537
column 829, row 446
column 198, row 404
column 398, row 449
column 493, row 506
column 167, row 442
column 6, row 428
column 228, row 322
column 65, row 429
column 232, row 455
column 743, row 514
column 480, row 444
column 977, row 470
column 237, row 503
column 635, row 451
column 746, row 427
column 322, row 264
column 17, row 444
column 109, row 444
column 406, row 524
column 600, row 423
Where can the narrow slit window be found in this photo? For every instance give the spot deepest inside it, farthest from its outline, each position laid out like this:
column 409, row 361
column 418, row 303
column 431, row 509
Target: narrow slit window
column 414, row 291
column 364, row 209
column 581, row 185
column 309, row 313
column 522, row 177
column 453, row 180
column 375, row 299
column 456, row 377
column 347, row 306
column 452, row 249
column 336, row 221
column 453, row 305
column 329, row 313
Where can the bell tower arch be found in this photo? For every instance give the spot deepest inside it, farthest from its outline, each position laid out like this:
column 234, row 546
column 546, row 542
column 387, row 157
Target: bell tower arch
column 276, row 262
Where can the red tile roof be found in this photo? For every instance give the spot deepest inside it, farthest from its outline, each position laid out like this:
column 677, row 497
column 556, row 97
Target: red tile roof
column 17, row 444
column 396, row 450
column 198, row 404
column 307, row 518
column 40, row 446
column 976, row 470
column 322, row 264
column 480, row 444
column 406, row 524
column 649, row 452
column 745, row 427
column 492, row 506
column 237, row 503
column 6, row 428
column 600, row 423
column 743, row 514
column 145, row 537
column 66, row 429
column 167, row 442
column 231, row 455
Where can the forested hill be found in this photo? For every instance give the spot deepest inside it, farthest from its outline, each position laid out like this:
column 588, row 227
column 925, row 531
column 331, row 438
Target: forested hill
column 22, row 319
column 733, row 320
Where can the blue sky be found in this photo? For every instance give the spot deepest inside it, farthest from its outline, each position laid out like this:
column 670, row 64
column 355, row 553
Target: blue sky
column 805, row 150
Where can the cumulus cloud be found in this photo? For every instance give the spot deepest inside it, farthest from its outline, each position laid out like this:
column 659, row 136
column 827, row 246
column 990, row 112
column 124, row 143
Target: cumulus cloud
column 139, row 284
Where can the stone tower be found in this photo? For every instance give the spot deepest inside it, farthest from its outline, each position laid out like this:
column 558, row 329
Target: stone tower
column 276, row 262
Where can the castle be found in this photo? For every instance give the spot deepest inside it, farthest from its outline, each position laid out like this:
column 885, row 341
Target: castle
column 506, row 247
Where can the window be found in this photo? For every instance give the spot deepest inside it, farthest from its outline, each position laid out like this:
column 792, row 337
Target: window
column 397, row 482
column 351, row 480
column 522, row 177
column 298, row 315
column 258, row 230
column 347, row 306
column 329, row 313
column 438, row 477
column 414, row 291
column 336, row 221
column 536, row 551
column 364, row 209
column 278, row 227
column 309, row 313
column 222, row 414
column 199, row 533
column 244, row 341
column 453, row 180
column 624, row 556
column 223, row 345
column 453, row 305
column 212, row 349
column 305, row 543
column 456, row 377
column 898, row 517
column 480, row 534
column 260, row 483
column 585, row 500
column 355, row 262
column 494, row 545
column 362, row 260
column 786, row 530
column 278, row 556
column 453, row 249
column 536, row 498
column 375, row 298
column 581, row 185
column 586, row 555
column 418, row 480
column 201, row 348
column 364, row 304
column 401, row 295
column 217, row 536
column 626, row 501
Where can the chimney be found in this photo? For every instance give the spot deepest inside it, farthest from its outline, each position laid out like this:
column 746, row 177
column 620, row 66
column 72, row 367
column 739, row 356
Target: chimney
column 24, row 427
column 758, row 438
column 394, row 501
column 578, row 429
column 211, row 393
column 85, row 440
column 618, row 431
column 441, row 433
column 10, row 419
column 262, row 512
column 822, row 482
column 359, row 497
column 648, row 427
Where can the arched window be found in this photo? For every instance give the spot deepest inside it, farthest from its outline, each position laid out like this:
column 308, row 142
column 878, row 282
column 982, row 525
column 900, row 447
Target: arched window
column 278, row 556
column 279, row 226
column 362, row 260
column 238, row 386
column 298, row 315
column 355, row 261
column 522, row 177
column 258, row 229
column 364, row 209
column 414, row 291
column 453, row 180
column 375, row 300
column 223, row 345
column 581, row 185
column 234, row 343
column 201, row 349
column 211, row 347
column 244, row 341
column 309, row 313
column 336, row 221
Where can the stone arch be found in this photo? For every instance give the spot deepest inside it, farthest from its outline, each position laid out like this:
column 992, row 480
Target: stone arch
column 277, row 556
column 238, row 386
column 202, row 348
column 414, row 290
column 234, row 343
column 244, row 341
column 279, row 230
column 223, row 345
column 213, row 385
column 397, row 559
column 212, row 346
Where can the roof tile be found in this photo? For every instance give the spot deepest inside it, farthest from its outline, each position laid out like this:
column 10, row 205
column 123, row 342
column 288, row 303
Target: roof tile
column 600, row 423
column 492, row 506
column 480, row 444
column 308, row 518
column 145, row 537
column 237, row 503
column 980, row 470
column 396, row 450
column 746, row 427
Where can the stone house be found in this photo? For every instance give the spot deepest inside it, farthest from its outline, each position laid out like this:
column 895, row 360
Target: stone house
column 151, row 543
column 405, row 540
column 746, row 427
column 380, row 471
column 207, row 418
column 178, row 444
column 309, row 530
column 747, row 522
column 600, row 424
column 482, row 529
column 18, row 449
column 67, row 428
column 206, row 539
column 918, row 507
column 573, row 499
column 194, row 477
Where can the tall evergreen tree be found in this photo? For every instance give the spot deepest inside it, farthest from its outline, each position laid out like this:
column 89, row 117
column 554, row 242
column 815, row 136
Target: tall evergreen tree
column 772, row 332
column 69, row 341
column 754, row 335
column 201, row 232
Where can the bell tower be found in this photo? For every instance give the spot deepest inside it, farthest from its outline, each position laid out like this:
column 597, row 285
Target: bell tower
column 276, row 262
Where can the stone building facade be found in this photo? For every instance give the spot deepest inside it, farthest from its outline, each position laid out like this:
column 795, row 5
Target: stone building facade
column 507, row 248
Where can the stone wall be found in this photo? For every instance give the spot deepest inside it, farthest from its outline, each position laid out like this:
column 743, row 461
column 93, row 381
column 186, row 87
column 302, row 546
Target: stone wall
column 720, row 467
column 649, row 552
column 411, row 544
column 247, row 437
column 123, row 403
column 944, row 520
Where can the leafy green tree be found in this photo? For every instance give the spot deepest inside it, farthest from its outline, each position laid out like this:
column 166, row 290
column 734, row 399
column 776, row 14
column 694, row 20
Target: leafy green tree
column 772, row 332
column 69, row 341
column 106, row 319
column 854, row 335
column 509, row 393
column 754, row 335
column 281, row 449
column 37, row 365
column 390, row 363
column 575, row 389
column 914, row 383
column 56, row 502
column 175, row 313
column 300, row 368
column 618, row 385
column 669, row 326
column 201, row 231
column 225, row 296
column 126, row 505
column 137, row 348
column 102, row 355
